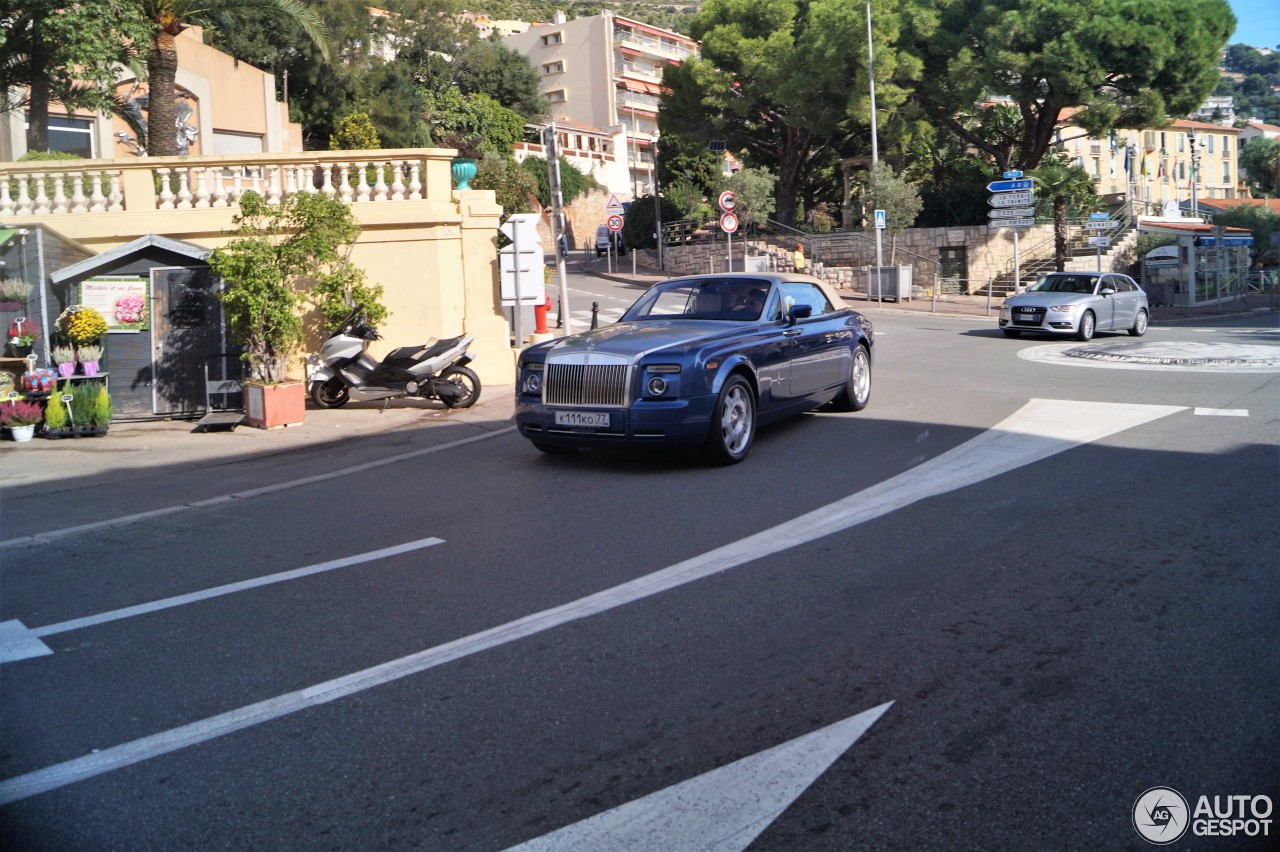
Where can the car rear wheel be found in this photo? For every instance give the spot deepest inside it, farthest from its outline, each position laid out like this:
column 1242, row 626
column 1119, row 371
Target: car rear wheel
column 733, row 423
column 1139, row 324
column 1011, row 332
column 857, row 390
column 1087, row 327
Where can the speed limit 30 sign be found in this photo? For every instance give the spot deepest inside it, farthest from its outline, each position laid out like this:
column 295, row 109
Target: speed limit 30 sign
column 614, row 223
column 728, row 223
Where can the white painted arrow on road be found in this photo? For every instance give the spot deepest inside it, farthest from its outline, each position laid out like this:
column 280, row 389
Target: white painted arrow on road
column 722, row 810
column 1040, row 429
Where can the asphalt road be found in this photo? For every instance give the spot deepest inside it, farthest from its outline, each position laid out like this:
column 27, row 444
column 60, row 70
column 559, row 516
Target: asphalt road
column 1060, row 614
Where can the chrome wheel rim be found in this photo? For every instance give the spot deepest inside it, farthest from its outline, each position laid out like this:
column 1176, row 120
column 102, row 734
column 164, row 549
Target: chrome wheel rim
column 1142, row 321
column 1086, row 325
column 735, row 420
column 861, row 376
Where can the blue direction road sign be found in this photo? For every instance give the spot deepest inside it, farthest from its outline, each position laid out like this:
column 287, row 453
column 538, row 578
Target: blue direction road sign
column 1010, row 185
column 1099, row 216
column 1013, row 174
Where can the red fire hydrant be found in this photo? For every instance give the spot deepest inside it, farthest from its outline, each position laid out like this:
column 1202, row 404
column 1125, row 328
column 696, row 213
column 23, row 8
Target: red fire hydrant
column 540, row 315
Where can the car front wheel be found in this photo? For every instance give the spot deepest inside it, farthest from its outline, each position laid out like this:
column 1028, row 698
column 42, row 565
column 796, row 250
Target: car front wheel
column 733, row 423
column 1139, row 324
column 1087, row 326
column 857, row 390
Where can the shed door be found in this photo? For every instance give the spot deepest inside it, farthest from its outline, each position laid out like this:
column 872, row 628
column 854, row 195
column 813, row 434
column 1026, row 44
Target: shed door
column 188, row 329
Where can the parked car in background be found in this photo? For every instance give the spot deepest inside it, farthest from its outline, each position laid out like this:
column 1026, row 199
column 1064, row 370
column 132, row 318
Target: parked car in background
column 1077, row 304
column 698, row 361
column 607, row 240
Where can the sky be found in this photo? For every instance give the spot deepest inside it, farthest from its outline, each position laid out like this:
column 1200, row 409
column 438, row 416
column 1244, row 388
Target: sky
column 1257, row 23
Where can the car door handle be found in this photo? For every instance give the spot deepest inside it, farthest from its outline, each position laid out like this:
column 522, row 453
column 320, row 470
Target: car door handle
column 791, row 332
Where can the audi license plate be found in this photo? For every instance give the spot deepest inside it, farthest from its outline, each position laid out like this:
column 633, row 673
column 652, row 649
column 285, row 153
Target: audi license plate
column 593, row 419
column 1028, row 315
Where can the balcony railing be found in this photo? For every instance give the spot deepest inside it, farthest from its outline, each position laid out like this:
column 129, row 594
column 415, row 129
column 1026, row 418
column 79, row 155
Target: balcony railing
column 653, row 45
column 61, row 187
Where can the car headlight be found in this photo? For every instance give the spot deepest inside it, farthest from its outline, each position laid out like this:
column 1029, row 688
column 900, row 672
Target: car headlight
column 1006, row 308
column 657, row 381
column 532, row 383
column 1064, row 309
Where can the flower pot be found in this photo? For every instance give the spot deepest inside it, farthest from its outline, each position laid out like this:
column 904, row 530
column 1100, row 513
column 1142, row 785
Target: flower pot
column 16, row 351
column 22, row 434
column 89, row 368
column 463, row 170
column 274, row 406
column 67, row 369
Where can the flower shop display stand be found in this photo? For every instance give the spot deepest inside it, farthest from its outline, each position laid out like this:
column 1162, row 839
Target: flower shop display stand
column 219, row 419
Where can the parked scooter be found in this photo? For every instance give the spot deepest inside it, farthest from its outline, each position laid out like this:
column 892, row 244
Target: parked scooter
column 344, row 370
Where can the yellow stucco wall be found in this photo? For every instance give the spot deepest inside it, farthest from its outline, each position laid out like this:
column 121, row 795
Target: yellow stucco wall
column 435, row 257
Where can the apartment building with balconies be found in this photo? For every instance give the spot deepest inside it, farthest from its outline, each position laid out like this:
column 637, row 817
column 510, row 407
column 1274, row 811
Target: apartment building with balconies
column 604, row 71
column 1155, row 167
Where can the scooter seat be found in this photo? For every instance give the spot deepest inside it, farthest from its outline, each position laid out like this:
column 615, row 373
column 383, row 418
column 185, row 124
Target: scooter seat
column 439, row 347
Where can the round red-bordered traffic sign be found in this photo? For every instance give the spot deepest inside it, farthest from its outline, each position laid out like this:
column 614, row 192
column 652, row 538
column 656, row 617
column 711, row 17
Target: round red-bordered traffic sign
column 727, row 201
column 728, row 223
column 614, row 223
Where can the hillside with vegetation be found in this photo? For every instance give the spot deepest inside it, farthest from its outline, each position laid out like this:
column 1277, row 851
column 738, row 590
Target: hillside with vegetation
column 1252, row 79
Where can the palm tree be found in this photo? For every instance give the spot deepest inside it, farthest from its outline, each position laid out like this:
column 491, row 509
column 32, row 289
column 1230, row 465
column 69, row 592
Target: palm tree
column 1066, row 186
column 169, row 18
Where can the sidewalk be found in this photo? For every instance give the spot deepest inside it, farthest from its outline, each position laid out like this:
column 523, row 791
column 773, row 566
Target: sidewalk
column 158, row 443
column 973, row 306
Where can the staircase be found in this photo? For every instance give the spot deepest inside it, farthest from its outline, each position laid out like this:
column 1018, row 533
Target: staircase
column 1081, row 256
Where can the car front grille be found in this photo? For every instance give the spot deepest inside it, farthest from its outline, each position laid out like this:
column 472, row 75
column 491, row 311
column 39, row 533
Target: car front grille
column 1028, row 316
column 586, row 384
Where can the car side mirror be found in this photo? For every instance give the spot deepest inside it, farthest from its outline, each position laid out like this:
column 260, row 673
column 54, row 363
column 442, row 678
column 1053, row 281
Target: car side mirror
column 1106, row 291
column 799, row 312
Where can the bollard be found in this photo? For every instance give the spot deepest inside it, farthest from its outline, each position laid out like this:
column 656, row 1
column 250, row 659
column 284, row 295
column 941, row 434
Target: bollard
column 595, row 315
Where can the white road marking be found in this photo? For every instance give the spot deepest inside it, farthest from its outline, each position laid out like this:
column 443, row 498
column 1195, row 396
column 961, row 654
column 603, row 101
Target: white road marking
column 18, row 642
column 1040, row 429
column 1175, row 356
column 125, row 520
column 1222, row 412
column 725, row 809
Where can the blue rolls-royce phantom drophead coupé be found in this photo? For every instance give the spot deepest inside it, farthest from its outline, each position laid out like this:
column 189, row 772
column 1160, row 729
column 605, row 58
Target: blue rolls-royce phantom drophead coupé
column 698, row 361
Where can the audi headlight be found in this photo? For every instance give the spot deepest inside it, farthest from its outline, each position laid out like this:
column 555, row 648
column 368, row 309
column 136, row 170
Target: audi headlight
column 1064, row 309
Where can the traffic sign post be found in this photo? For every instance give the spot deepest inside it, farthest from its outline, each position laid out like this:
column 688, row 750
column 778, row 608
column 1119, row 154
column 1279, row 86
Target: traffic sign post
column 728, row 224
column 1099, row 243
column 520, row 264
column 1013, row 206
column 1010, row 185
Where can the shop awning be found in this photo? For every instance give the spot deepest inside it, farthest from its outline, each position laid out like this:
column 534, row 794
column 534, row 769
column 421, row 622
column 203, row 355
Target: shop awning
column 6, row 234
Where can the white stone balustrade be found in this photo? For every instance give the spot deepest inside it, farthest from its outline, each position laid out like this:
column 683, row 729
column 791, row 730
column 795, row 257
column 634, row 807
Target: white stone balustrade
column 56, row 188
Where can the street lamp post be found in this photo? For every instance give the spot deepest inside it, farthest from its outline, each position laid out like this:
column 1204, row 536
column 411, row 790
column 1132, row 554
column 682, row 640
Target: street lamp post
column 875, row 150
column 1195, row 172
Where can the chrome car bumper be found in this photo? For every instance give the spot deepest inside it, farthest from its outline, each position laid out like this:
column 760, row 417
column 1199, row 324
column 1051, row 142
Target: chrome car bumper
column 1040, row 319
column 681, row 422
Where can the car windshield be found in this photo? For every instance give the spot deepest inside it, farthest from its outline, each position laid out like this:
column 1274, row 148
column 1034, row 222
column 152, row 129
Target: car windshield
column 740, row 299
column 1065, row 284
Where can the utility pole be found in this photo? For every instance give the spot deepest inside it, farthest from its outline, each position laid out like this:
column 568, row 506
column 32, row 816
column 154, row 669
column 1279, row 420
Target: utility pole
column 875, row 150
column 557, row 219
column 1195, row 172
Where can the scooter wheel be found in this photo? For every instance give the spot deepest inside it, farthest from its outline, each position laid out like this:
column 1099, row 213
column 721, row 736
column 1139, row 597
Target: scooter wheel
column 331, row 394
column 467, row 382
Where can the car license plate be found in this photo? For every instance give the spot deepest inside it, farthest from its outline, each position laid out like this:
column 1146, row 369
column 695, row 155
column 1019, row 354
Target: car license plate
column 1028, row 315
column 596, row 419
